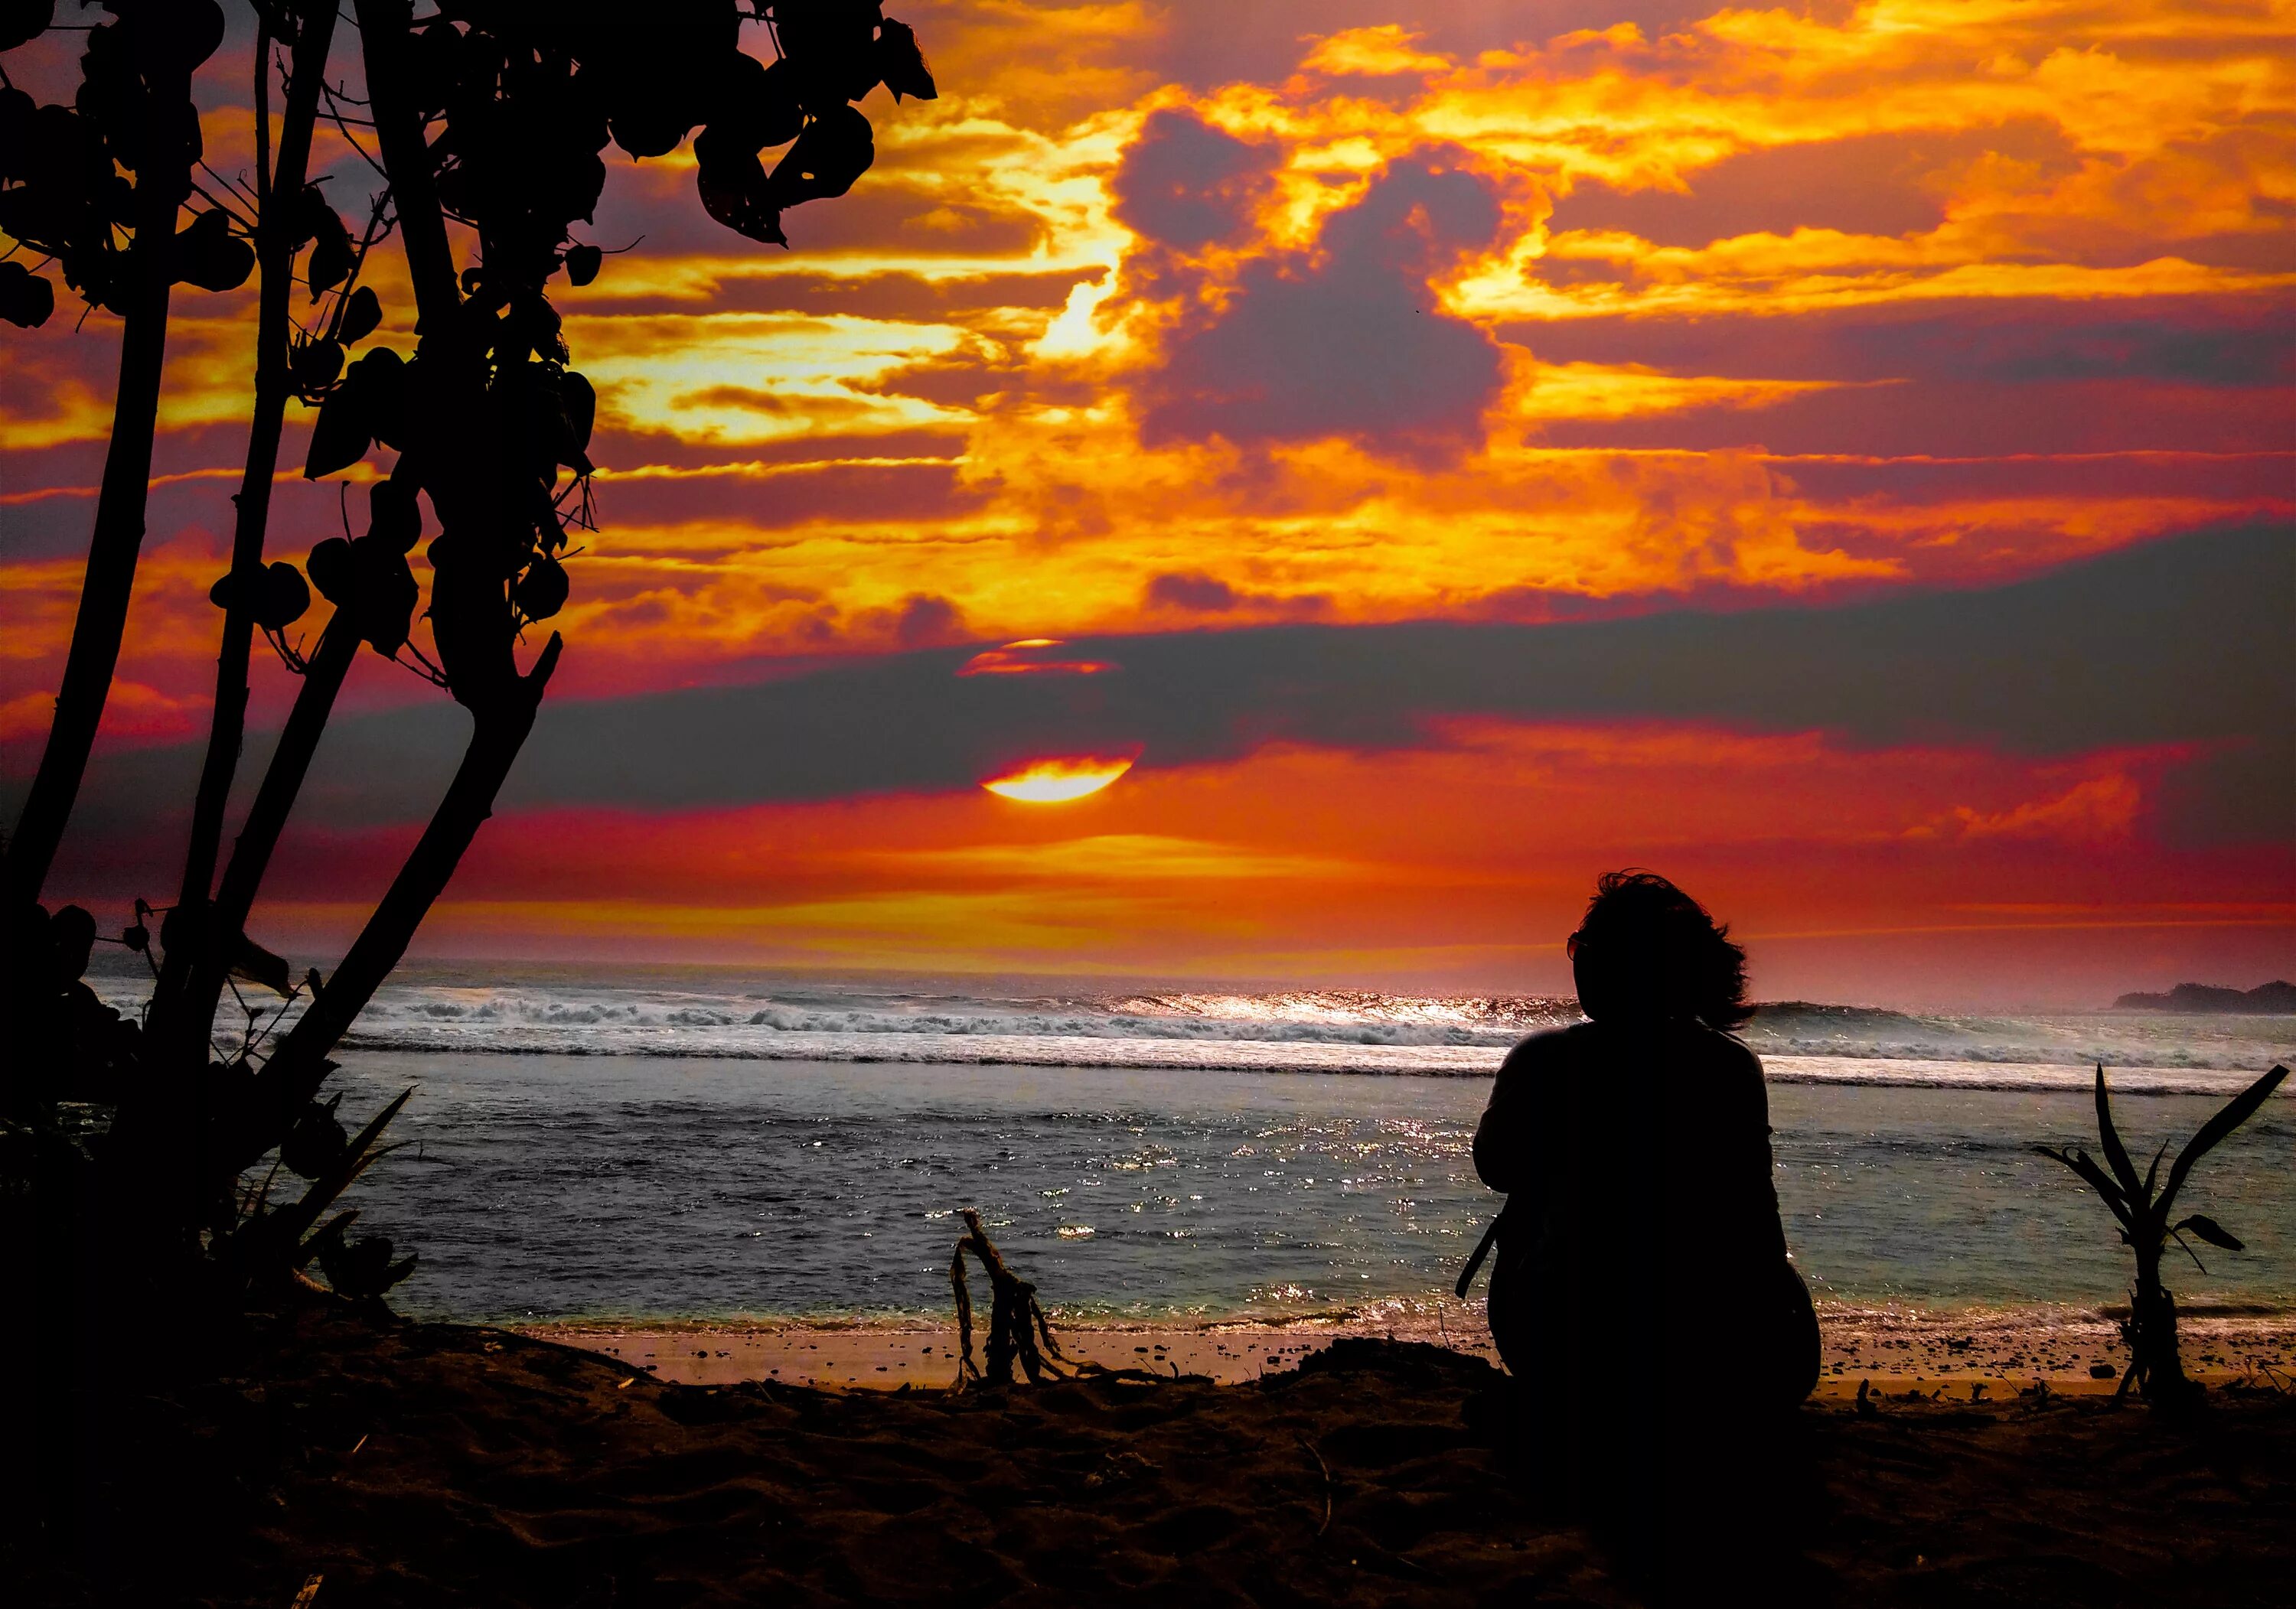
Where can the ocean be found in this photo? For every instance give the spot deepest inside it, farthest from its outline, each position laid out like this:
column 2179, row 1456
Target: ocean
column 678, row 1144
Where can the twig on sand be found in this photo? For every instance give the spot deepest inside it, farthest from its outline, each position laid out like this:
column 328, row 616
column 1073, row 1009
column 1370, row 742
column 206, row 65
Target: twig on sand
column 1018, row 1330
column 310, row 1591
column 1326, row 1469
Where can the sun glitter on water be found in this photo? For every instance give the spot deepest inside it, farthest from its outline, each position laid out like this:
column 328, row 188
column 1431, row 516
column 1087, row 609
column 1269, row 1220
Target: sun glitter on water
column 1059, row 781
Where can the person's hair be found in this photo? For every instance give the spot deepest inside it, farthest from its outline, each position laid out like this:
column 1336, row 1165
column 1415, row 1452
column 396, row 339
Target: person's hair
column 1649, row 943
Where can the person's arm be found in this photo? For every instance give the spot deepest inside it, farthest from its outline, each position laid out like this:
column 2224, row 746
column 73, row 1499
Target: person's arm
column 1762, row 1198
column 1502, row 1136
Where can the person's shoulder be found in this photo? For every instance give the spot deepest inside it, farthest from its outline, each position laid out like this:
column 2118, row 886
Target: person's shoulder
column 1550, row 1045
column 1728, row 1052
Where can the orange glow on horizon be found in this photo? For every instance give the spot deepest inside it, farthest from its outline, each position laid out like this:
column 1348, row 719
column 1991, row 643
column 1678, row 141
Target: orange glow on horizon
column 1061, row 780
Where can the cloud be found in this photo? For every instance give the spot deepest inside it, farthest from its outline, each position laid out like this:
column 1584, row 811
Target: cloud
column 1349, row 339
column 2178, row 642
column 1187, row 185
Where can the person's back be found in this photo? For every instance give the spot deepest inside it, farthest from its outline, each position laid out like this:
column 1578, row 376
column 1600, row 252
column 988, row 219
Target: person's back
column 1640, row 1216
column 1643, row 1294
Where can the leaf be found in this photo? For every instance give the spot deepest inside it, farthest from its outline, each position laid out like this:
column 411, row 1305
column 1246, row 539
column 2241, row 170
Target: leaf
column 2237, row 1111
column 23, row 20
column 283, row 597
column 579, row 399
column 393, row 516
column 331, row 570
column 330, row 258
column 901, row 64
column 357, row 1156
column 26, row 300
column 340, row 439
column 207, row 254
column 582, row 263
column 387, row 607
column 251, row 961
column 2080, row 1162
column 835, row 150
column 2123, row 1168
column 382, row 377
column 314, row 365
column 2208, row 1229
column 541, row 592
column 361, row 313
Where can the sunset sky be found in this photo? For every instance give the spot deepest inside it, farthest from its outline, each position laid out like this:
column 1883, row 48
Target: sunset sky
column 1841, row 458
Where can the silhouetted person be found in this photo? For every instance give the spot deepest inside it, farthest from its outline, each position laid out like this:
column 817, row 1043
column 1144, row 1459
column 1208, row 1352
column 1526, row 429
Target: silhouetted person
column 1643, row 1295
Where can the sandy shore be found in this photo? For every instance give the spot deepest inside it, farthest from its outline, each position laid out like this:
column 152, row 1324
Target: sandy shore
column 1898, row 1350
column 348, row 1460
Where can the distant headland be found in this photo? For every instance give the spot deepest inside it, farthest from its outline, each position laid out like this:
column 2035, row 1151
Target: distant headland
column 2274, row 999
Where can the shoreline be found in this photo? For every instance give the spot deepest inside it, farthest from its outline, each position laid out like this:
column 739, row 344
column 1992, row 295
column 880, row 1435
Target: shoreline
column 1898, row 1350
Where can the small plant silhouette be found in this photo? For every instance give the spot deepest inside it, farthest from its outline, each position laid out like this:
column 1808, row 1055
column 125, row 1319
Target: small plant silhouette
column 2145, row 1227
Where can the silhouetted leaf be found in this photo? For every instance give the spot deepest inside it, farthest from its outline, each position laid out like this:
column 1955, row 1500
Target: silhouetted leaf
column 582, row 263
column 393, row 515
column 832, row 45
column 284, row 597
column 835, row 150
column 2208, row 1229
column 2123, row 1168
column 541, row 592
column 901, row 64
column 381, row 379
column 389, row 594
column 2236, row 1112
column 19, row 117
column 251, row 961
column 752, row 104
column 650, row 121
column 338, row 439
column 579, row 399
column 24, row 21
column 315, row 365
column 330, row 569
column 26, row 300
column 362, row 312
column 2097, row 1180
column 330, row 263
column 316, row 1142
column 207, row 254
column 172, row 33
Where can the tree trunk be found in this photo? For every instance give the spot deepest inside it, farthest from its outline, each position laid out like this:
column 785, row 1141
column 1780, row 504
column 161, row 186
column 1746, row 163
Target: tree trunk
column 2151, row 1333
column 498, row 733
column 118, row 539
column 182, row 1008
column 458, row 437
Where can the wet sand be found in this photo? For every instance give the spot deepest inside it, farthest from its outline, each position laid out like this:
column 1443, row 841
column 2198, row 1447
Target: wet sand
column 1897, row 1349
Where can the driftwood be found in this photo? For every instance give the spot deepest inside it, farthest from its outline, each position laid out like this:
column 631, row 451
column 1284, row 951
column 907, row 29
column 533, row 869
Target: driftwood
column 1017, row 1326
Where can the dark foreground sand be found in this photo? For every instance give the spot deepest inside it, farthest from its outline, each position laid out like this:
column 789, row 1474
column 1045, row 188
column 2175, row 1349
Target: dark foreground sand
column 407, row 1464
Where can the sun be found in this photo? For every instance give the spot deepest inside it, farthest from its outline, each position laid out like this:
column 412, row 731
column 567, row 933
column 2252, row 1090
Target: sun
column 1060, row 780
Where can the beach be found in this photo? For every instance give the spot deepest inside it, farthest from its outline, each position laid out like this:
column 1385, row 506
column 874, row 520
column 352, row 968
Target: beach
column 2000, row 1354
column 359, row 1461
